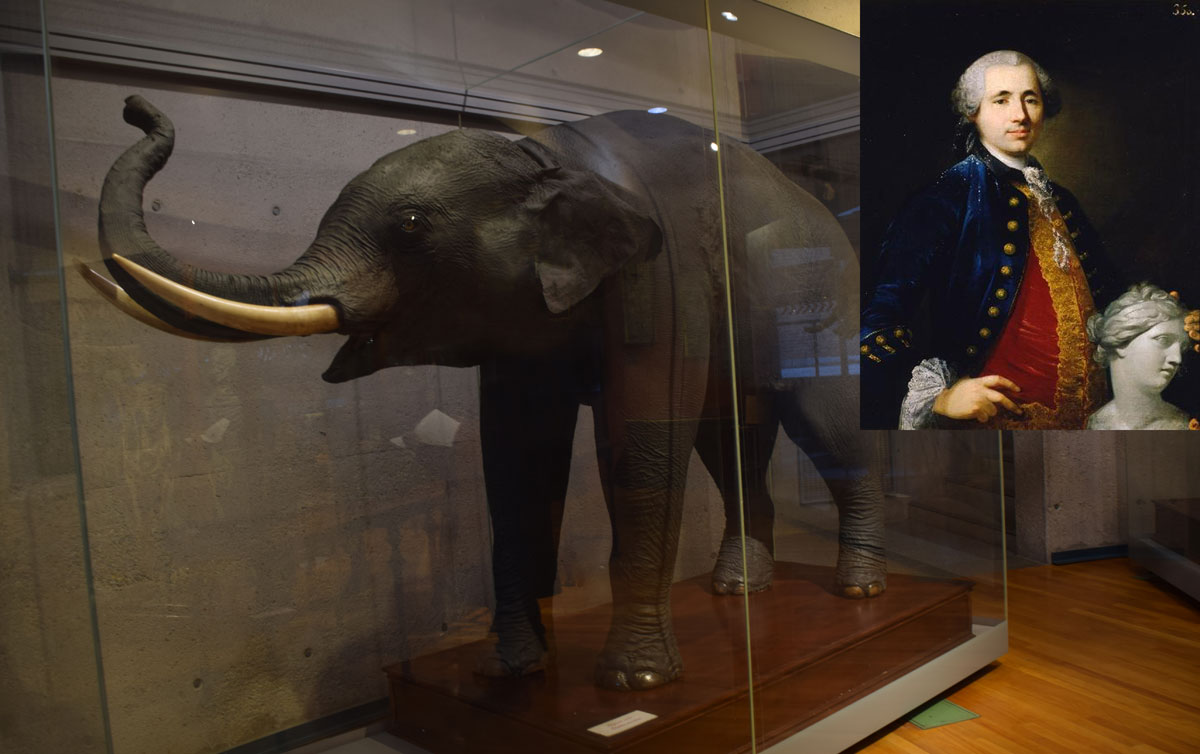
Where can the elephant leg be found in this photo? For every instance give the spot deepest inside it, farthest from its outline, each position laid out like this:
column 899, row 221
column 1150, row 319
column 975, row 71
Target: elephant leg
column 650, row 412
column 821, row 416
column 715, row 448
column 527, row 427
column 645, row 486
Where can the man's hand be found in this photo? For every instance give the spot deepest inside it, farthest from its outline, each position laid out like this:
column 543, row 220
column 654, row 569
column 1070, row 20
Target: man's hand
column 1191, row 323
column 976, row 398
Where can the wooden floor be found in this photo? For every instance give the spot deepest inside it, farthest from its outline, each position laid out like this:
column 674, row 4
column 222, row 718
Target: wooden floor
column 1102, row 659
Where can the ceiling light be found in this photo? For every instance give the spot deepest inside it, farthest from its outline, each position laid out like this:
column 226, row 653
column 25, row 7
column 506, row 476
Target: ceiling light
column 728, row 15
column 406, row 132
column 589, row 52
column 656, row 110
column 713, row 146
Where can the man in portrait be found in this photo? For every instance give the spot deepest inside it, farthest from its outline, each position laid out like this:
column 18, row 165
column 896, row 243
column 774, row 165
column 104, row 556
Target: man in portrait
column 1006, row 267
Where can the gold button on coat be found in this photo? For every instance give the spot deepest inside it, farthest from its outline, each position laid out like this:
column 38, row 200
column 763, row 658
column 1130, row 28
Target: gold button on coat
column 993, row 311
column 1005, row 270
column 880, row 339
column 972, row 350
column 985, row 333
column 865, row 349
column 1010, row 249
column 1001, row 293
column 1014, row 201
column 1012, row 225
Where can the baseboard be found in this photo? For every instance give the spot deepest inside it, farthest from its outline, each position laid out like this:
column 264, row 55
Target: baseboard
column 1066, row 557
column 315, row 730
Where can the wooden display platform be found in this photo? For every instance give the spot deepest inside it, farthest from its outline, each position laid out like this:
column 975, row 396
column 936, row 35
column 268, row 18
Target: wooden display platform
column 814, row 653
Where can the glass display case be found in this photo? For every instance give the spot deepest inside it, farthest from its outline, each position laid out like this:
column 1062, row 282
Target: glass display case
column 1162, row 487
column 580, row 468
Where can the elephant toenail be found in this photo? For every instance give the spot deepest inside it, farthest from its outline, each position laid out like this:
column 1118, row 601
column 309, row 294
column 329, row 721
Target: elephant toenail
column 647, row 679
column 854, row 592
column 612, row 679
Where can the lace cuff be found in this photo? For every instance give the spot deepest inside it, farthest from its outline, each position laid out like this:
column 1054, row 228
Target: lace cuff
column 929, row 379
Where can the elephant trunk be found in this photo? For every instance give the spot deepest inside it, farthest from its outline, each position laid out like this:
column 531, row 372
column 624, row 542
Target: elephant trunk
column 227, row 306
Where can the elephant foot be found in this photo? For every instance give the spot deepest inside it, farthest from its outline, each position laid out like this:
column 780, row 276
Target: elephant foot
column 506, row 661
column 639, row 659
column 860, row 582
column 727, row 577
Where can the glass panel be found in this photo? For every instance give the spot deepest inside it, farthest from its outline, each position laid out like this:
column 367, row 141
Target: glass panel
column 50, row 695
column 265, row 542
column 944, row 492
column 888, row 548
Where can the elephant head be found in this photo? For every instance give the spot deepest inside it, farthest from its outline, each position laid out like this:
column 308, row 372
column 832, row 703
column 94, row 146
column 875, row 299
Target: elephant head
column 448, row 251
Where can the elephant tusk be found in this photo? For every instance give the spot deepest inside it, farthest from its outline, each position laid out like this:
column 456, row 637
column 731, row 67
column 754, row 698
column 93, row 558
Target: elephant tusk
column 252, row 318
column 117, row 296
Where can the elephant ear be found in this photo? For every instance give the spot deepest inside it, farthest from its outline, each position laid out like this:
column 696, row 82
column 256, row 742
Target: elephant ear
column 589, row 227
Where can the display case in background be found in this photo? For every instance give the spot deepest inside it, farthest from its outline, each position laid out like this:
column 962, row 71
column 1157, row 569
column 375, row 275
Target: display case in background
column 1162, row 487
column 258, row 544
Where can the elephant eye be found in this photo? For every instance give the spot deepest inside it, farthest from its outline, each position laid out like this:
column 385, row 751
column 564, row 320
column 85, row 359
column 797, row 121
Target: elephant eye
column 410, row 221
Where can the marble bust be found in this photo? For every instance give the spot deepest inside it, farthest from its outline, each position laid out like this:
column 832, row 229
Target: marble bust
column 1141, row 338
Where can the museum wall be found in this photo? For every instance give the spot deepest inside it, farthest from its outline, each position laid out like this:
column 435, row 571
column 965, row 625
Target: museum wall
column 1083, row 505
column 264, row 542
column 1090, row 490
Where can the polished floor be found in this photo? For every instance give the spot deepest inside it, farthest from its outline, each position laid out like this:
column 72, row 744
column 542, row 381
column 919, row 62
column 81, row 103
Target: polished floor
column 1103, row 659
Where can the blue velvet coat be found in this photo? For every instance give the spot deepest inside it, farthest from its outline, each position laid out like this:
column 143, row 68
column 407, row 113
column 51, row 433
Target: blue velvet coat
column 960, row 247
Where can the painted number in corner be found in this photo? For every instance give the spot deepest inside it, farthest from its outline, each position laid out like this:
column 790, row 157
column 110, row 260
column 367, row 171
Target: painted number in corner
column 1182, row 9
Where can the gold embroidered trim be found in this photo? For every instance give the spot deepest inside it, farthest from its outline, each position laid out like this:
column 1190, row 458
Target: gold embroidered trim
column 1081, row 384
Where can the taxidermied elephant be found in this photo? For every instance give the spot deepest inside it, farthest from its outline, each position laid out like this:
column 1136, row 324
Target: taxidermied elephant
column 584, row 265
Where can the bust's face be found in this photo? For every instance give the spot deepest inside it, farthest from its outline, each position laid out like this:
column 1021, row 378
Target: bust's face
column 1010, row 114
column 1152, row 358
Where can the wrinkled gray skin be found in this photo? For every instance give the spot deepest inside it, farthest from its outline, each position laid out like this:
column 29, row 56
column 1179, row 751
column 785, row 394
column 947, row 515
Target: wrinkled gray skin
column 580, row 265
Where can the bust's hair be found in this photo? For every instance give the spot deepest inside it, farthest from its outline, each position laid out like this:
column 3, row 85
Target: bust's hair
column 968, row 92
column 1136, row 310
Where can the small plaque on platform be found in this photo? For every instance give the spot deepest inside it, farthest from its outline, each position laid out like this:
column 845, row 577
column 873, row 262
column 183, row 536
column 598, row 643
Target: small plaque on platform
column 622, row 723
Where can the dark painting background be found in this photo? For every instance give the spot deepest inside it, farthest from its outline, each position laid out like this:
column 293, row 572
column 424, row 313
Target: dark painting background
column 1126, row 142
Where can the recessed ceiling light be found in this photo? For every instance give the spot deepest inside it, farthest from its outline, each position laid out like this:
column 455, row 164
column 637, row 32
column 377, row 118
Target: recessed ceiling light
column 656, row 110
column 713, row 146
column 406, row 132
column 589, row 52
column 728, row 15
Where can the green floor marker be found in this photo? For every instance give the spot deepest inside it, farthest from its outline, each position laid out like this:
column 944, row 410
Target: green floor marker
column 941, row 712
